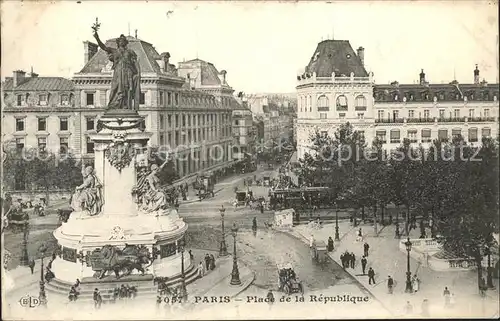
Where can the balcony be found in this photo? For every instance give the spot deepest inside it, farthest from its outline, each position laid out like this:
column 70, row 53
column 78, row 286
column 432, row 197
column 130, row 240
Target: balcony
column 420, row 120
column 361, row 108
column 323, row 108
column 389, row 120
column 341, row 108
column 481, row 119
column 452, row 120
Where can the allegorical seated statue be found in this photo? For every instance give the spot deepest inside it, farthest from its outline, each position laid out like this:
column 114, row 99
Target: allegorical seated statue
column 88, row 196
column 125, row 85
column 150, row 196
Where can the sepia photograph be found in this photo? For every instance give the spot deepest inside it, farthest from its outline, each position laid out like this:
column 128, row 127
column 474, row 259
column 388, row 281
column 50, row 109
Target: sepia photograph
column 236, row 160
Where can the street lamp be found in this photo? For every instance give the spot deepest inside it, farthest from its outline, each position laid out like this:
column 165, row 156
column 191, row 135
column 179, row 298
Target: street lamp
column 184, row 293
column 42, row 296
column 409, row 287
column 24, row 255
column 235, row 274
column 337, row 236
column 489, row 276
column 223, row 247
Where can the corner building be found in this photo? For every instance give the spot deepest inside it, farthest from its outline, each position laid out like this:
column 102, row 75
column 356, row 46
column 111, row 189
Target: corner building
column 335, row 88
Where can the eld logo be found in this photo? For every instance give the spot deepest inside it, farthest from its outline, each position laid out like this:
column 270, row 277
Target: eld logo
column 29, row 301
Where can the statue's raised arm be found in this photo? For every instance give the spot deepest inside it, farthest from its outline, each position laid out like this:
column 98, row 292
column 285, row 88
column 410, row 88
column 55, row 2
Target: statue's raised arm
column 95, row 28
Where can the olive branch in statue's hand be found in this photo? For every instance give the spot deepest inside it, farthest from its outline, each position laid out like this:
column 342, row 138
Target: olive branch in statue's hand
column 96, row 26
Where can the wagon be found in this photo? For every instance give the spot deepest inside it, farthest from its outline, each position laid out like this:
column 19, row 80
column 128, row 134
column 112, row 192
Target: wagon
column 319, row 252
column 287, row 279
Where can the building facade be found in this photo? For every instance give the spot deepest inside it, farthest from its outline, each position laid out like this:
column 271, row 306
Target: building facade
column 193, row 124
column 335, row 88
column 243, row 133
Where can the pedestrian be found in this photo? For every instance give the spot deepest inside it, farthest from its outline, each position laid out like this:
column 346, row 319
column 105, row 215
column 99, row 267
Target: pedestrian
column 254, row 224
column 270, row 298
column 97, row 298
column 408, row 308
column 366, row 247
column 371, row 276
column 201, row 270
column 330, row 244
column 363, row 264
column 353, row 260
column 207, row 262
column 360, row 236
column 482, row 287
column 72, row 296
column 123, row 291
column 425, row 308
column 398, row 235
column 390, row 284
column 446, row 294
column 311, row 241
column 116, row 293
column 31, row 264
column 415, row 282
column 191, row 256
column 342, row 259
column 212, row 262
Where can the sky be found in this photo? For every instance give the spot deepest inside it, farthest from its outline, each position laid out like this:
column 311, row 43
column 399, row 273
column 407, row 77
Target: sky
column 262, row 45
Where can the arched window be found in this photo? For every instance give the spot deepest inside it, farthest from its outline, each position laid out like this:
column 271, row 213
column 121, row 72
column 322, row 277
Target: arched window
column 360, row 103
column 323, row 103
column 341, row 102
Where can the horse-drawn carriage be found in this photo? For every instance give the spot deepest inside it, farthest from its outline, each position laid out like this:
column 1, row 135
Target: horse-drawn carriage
column 288, row 281
column 319, row 252
column 204, row 185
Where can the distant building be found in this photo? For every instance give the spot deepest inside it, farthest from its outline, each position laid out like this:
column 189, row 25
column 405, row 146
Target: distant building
column 243, row 133
column 335, row 88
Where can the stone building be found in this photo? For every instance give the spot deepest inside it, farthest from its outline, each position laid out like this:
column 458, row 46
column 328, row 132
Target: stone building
column 335, row 88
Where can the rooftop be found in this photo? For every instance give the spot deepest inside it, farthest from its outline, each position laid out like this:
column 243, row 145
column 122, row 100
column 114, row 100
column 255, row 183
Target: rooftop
column 39, row 84
column 208, row 73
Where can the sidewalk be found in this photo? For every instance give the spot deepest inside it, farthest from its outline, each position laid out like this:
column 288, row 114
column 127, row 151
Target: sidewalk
column 386, row 259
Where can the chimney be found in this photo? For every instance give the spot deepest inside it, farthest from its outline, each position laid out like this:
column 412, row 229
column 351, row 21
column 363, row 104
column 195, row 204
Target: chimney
column 422, row 77
column 18, row 77
column 33, row 74
column 476, row 76
column 166, row 60
column 223, row 73
column 361, row 55
column 90, row 49
column 135, row 33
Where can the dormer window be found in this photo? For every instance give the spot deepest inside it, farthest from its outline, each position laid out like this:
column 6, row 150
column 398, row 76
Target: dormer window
column 412, row 98
column 42, row 100
column 65, row 100
column 441, row 96
column 21, row 100
column 395, row 96
column 486, row 95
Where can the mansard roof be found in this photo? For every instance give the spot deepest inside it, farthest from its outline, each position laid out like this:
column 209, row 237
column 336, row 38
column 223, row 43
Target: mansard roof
column 39, row 84
column 335, row 56
column 146, row 55
column 208, row 72
column 453, row 91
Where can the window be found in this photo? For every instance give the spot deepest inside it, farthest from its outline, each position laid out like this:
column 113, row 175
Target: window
column 341, row 116
column 323, row 103
column 412, row 97
column 412, row 135
column 381, row 136
column 411, row 114
column 177, row 121
column 20, row 100
column 169, row 121
column 441, row 96
column 169, row 98
column 472, row 135
column 162, row 139
column 426, row 136
column 63, row 124
column 19, row 124
column 442, row 134
column 426, row 114
column 162, row 121
column 65, row 100
column 90, row 99
column 380, row 114
column 360, row 102
column 455, row 133
column 456, row 113
column 63, row 144
column 162, row 99
column 176, row 96
column 441, row 113
column 19, row 144
column 90, row 123
column 395, row 114
column 322, row 116
column 361, row 116
column 486, row 113
column 42, row 100
column 341, row 102
column 42, row 143
column 395, row 136
column 90, row 146
column 142, row 98
column 361, row 135
column 42, row 124
column 486, row 132
column 183, row 120
column 471, row 113
column 236, row 122
column 167, row 250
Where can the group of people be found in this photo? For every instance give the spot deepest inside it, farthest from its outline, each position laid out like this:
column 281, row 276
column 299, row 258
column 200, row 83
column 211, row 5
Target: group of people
column 285, row 275
column 348, row 260
column 209, row 265
column 74, row 291
column 123, row 292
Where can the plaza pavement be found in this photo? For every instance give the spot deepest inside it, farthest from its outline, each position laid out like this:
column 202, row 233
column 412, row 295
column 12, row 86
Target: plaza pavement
column 386, row 259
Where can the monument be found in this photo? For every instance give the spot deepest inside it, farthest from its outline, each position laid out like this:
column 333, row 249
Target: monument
column 124, row 226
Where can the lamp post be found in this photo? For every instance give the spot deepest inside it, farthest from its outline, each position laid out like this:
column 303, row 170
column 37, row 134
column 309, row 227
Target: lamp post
column 337, row 237
column 223, row 246
column 24, row 261
column 409, row 287
column 184, row 294
column 235, row 274
column 489, row 276
column 42, row 295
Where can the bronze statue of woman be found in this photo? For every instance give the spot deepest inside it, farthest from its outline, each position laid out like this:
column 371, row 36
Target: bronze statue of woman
column 125, row 86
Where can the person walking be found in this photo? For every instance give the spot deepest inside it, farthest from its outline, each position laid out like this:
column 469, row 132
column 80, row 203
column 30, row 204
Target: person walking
column 254, row 224
column 330, row 244
column 207, row 262
column 390, row 285
column 201, row 270
column 425, row 308
column 371, row 276
column 415, row 282
column 96, row 296
column 31, row 264
column 353, row 260
column 408, row 308
column 363, row 264
column 366, row 248
column 212, row 262
column 446, row 294
column 270, row 299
